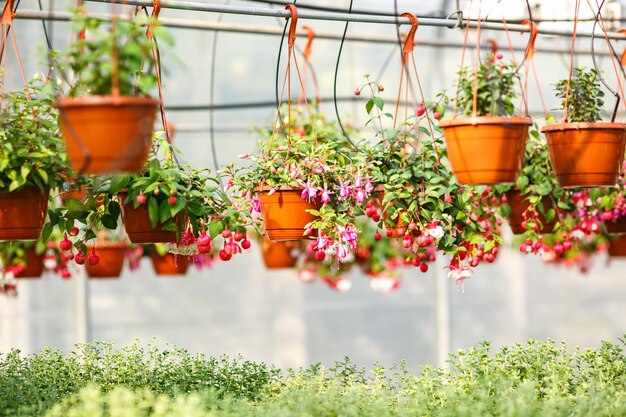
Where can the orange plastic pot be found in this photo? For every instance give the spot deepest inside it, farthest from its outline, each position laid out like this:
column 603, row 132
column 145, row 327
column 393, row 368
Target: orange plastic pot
column 486, row 150
column 22, row 213
column 519, row 205
column 278, row 255
column 616, row 227
column 586, row 154
column 34, row 265
column 111, row 260
column 284, row 214
column 618, row 248
column 138, row 226
column 169, row 264
column 107, row 133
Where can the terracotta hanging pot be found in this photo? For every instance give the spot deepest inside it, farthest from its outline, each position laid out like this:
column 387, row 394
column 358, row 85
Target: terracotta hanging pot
column 284, row 214
column 278, row 255
column 106, row 134
column 618, row 248
column 586, row 154
column 34, row 264
column 486, row 150
column 111, row 260
column 519, row 205
column 616, row 227
column 169, row 264
column 138, row 226
column 22, row 213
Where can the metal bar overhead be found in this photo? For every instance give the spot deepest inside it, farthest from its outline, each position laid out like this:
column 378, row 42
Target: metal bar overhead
column 344, row 17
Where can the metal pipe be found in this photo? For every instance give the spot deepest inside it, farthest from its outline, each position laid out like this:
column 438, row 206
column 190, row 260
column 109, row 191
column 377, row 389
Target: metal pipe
column 343, row 17
column 195, row 24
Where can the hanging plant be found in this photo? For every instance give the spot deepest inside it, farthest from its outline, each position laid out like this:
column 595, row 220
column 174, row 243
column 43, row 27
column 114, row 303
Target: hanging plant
column 419, row 200
column 108, row 115
column 485, row 141
column 32, row 160
column 309, row 183
column 584, row 151
column 179, row 205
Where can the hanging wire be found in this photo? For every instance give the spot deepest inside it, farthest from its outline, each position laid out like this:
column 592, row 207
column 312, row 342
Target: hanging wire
column 343, row 38
column 595, row 63
column 280, row 50
column 157, row 57
column 212, row 96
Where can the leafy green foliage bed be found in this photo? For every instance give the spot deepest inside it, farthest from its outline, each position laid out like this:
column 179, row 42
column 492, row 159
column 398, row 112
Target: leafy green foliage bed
column 534, row 379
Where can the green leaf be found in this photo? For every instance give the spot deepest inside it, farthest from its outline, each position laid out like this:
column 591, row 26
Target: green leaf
column 53, row 216
column 170, row 226
column 118, row 183
column 379, row 102
column 109, row 221
column 46, row 232
column 43, row 174
column 14, row 185
column 164, row 211
column 215, row 228
column 522, row 182
column 153, row 212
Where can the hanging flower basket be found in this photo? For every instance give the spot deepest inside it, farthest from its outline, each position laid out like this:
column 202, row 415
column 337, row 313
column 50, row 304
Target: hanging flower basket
column 169, row 264
column 285, row 214
column 22, row 213
column 486, row 150
column 111, row 260
column 519, row 205
column 107, row 133
column 138, row 227
column 34, row 265
column 278, row 255
column 618, row 248
column 586, row 154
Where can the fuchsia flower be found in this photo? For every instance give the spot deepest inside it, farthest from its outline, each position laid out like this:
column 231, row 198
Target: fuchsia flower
column 360, row 196
column 309, row 192
column 322, row 243
column 344, row 191
column 342, row 252
column 349, row 235
column 325, row 197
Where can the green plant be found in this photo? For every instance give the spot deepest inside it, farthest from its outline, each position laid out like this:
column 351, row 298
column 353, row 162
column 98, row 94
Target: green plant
column 494, row 81
column 584, row 101
column 315, row 158
column 184, row 200
column 530, row 379
column 123, row 44
column 31, row 148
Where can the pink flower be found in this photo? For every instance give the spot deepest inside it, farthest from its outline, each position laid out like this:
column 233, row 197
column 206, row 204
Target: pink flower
column 342, row 252
column 344, row 191
column 228, row 185
column 325, row 198
column 322, row 243
column 360, row 196
column 369, row 187
column 308, row 192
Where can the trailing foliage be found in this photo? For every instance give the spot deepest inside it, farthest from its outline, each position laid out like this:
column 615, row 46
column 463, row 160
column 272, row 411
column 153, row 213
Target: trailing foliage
column 531, row 379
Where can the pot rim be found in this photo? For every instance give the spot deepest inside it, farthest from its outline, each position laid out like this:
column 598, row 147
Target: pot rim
column 267, row 188
column 106, row 100
column 486, row 120
column 110, row 245
column 583, row 126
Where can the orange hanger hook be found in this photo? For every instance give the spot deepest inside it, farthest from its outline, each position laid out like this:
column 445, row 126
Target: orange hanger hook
column 409, row 44
column 530, row 48
column 309, row 45
column 156, row 9
column 7, row 13
column 294, row 24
